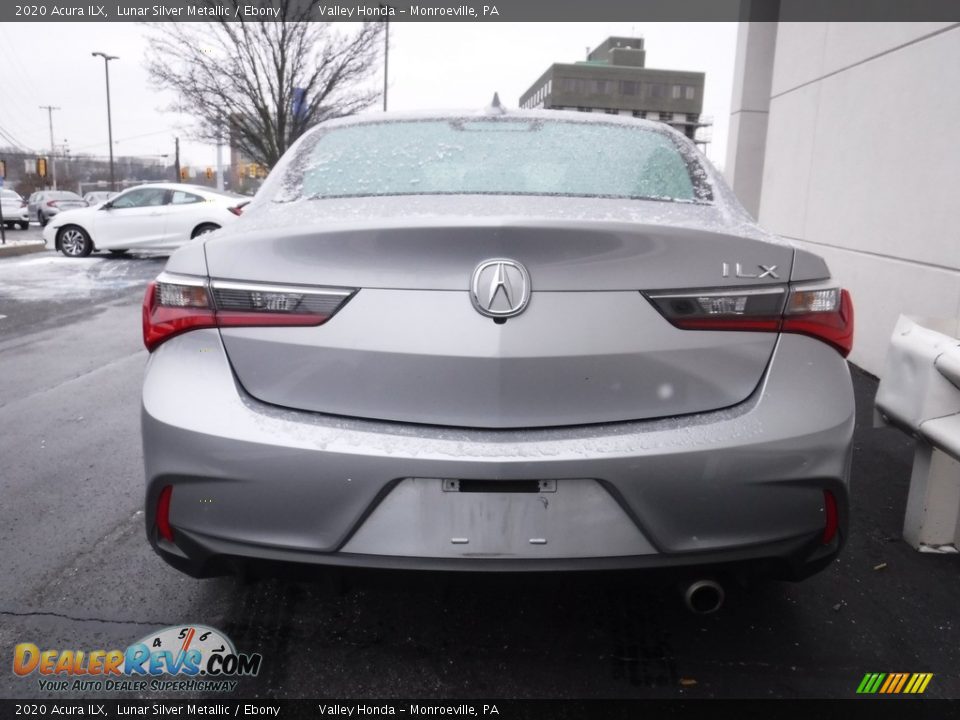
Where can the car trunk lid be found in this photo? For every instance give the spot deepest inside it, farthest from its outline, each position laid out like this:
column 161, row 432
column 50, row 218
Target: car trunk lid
column 410, row 345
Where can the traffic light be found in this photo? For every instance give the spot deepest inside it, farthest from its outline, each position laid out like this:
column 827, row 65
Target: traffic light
column 42, row 167
column 209, row 173
column 3, row 168
column 184, row 173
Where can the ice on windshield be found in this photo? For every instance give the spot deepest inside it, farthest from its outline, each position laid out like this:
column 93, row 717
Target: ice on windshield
column 514, row 157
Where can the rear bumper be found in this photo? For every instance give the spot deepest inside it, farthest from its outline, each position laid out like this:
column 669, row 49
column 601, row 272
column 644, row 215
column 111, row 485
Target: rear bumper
column 15, row 216
column 255, row 483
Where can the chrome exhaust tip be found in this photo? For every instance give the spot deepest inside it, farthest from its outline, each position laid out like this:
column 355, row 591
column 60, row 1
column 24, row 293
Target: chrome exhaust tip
column 703, row 597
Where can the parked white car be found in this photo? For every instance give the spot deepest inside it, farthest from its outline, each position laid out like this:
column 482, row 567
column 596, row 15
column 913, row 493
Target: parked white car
column 14, row 209
column 163, row 216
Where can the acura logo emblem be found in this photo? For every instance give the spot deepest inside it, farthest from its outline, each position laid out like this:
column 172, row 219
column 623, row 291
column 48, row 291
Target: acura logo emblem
column 500, row 288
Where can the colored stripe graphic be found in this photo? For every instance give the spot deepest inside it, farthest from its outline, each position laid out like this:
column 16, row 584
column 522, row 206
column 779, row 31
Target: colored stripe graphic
column 892, row 679
column 894, row 683
column 862, row 687
column 903, row 679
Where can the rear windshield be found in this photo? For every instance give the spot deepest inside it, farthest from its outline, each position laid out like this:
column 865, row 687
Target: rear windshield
column 9, row 194
column 506, row 156
column 63, row 196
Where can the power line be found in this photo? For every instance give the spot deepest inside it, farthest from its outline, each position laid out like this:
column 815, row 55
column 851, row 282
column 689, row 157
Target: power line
column 132, row 137
column 19, row 81
column 12, row 140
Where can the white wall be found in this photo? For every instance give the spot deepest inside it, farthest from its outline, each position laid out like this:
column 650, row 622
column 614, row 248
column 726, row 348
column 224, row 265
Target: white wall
column 749, row 109
column 861, row 164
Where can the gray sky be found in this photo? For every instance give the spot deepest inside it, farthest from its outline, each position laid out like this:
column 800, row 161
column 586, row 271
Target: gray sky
column 432, row 65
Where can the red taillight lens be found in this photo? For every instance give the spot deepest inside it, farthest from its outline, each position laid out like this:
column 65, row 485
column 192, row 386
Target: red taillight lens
column 238, row 209
column 823, row 313
column 162, row 519
column 170, row 309
column 24, row 203
column 833, row 323
column 831, row 522
column 52, row 203
column 174, row 304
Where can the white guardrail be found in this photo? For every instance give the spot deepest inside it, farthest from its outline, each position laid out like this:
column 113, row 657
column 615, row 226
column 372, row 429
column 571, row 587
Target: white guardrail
column 919, row 393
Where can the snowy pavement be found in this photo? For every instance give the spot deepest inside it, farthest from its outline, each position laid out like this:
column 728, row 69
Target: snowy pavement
column 44, row 288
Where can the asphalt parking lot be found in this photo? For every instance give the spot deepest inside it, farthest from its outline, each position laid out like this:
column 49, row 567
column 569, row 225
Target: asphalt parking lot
column 78, row 573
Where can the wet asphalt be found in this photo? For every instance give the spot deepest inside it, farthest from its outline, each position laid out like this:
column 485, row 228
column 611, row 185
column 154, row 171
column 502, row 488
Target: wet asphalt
column 77, row 572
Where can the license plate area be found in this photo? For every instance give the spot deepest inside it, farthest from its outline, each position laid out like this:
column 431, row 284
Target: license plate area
column 445, row 517
column 500, row 486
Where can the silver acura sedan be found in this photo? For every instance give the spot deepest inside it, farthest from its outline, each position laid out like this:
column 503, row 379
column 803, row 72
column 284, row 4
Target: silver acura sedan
column 497, row 341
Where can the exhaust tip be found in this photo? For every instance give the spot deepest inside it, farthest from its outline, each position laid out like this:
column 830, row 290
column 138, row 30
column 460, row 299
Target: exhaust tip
column 704, row 597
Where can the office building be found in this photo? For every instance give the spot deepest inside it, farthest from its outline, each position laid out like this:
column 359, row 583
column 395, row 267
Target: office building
column 614, row 79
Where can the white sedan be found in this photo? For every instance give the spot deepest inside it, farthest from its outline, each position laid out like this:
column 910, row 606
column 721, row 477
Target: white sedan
column 155, row 217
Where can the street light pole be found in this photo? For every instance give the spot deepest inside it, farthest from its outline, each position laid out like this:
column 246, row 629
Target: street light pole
column 106, row 67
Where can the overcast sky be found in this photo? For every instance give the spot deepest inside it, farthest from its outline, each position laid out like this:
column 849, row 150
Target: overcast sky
column 432, row 65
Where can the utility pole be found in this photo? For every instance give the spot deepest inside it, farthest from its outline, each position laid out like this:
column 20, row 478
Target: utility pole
column 53, row 149
column 176, row 159
column 220, row 156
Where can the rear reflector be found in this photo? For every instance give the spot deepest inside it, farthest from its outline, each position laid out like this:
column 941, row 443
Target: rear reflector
column 831, row 522
column 174, row 304
column 163, row 513
column 823, row 313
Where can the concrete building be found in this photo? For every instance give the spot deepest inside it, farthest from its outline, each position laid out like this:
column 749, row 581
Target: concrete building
column 841, row 141
column 614, row 80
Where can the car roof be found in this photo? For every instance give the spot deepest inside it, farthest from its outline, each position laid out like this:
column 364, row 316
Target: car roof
column 175, row 186
column 499, row 113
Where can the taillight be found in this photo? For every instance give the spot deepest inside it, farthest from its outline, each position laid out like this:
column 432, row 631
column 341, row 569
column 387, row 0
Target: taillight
column 831, row 520
column 823, row 313
column 174, row 304
column 162, row 519
column 52, row 203
column 23, row 203
column 238, row 209
column 739, row 309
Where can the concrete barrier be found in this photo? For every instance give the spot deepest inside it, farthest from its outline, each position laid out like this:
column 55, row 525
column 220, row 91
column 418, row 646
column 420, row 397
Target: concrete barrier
column 919, row 393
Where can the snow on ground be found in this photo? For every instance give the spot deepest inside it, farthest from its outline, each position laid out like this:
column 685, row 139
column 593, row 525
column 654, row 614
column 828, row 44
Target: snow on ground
column 55, row 277
column 14, row 241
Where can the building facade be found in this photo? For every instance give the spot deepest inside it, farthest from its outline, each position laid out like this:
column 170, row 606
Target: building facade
column 838, row 143
column 614, row 80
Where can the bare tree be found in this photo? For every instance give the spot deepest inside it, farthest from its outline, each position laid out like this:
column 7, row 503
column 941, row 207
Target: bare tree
column 265, row 82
